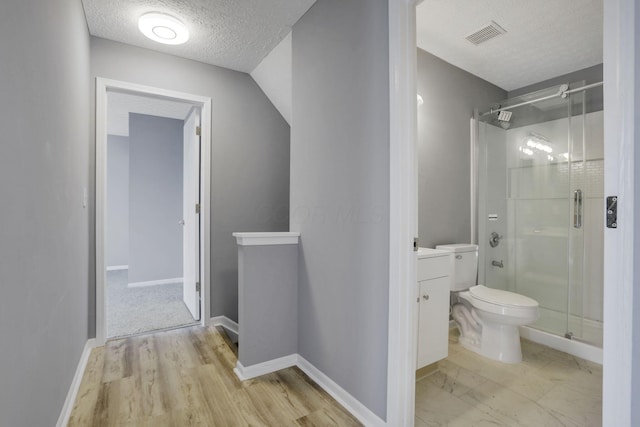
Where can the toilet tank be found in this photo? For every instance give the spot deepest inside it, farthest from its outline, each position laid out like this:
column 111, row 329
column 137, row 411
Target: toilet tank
column 464, row 265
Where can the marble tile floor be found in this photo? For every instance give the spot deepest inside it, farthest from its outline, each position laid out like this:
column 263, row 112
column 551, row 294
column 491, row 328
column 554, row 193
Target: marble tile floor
column 549, row 388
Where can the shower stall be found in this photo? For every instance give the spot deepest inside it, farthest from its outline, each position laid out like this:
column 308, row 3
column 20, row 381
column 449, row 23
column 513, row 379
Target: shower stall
column 539, row 201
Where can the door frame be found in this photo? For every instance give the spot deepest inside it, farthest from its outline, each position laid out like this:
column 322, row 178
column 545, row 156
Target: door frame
column 620, row 355
column 204, row 103
column 621, row 327
column 403, row 214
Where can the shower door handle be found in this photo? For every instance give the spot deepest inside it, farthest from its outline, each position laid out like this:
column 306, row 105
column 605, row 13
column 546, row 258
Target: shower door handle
column 577, row 209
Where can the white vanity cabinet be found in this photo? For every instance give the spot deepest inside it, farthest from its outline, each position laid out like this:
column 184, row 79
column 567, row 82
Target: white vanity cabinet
column 433, row 300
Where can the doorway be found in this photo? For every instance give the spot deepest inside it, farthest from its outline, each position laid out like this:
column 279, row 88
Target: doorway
column 619, row 273
column 152, row 200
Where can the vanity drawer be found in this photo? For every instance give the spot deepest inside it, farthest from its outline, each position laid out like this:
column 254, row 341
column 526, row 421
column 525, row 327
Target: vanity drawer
column 433, row 267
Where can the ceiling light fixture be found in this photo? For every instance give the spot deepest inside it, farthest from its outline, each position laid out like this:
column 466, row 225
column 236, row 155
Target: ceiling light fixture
column 163, row 28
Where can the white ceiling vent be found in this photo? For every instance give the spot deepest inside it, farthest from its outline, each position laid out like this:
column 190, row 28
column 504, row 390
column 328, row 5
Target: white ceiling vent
column 487, row 32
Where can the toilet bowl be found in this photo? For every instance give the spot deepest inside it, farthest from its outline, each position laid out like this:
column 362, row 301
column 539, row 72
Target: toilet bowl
column 487, row 318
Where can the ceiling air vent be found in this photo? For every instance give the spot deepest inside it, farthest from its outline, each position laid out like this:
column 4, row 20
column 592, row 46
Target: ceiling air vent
column 487, row 32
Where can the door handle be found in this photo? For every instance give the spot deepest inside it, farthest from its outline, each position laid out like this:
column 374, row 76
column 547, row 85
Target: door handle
column 577, row 209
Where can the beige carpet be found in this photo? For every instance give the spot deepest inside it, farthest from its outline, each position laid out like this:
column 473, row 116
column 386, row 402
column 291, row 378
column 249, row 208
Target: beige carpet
column 135, row 310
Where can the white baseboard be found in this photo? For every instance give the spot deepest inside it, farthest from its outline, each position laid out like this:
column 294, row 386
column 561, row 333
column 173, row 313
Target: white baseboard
column 117, row 267
column 350, row 403
column 248, row 372
column 573, row 347
column 155, row 282
column 65, row 414
column 224, row 321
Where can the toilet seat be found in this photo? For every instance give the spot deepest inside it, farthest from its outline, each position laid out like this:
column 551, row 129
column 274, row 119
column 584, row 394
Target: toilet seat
column 501, row 302
column 497, row 296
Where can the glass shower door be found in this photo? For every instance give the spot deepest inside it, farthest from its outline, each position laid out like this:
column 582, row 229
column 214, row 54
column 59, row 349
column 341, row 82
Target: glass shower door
column 576, row 249
column 539, row 187
column 586, row 243
column 540, row 192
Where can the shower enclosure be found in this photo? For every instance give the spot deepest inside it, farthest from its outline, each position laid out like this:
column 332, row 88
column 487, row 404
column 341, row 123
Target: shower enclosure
column 540, row 204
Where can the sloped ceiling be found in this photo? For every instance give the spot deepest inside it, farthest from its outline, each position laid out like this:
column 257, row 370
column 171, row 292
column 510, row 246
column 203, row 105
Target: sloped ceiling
column 273, row 75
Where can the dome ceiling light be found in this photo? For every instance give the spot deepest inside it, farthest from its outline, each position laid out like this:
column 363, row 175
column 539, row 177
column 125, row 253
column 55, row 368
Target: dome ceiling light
column 163, row 28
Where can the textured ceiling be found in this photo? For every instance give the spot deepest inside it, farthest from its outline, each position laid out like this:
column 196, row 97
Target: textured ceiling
column 235, row 34
column 544, row 38
column 119, row 105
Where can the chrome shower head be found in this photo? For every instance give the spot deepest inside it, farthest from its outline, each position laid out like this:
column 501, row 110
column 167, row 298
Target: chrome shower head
column 504, row 116
column 504, row 119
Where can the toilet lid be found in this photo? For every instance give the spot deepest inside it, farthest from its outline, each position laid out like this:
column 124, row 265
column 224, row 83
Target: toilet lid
column 497, row 296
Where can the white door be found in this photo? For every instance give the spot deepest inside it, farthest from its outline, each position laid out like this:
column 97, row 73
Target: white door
column 191, row 217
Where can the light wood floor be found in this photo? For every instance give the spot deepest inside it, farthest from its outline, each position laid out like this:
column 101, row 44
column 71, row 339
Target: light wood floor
column 185, row 377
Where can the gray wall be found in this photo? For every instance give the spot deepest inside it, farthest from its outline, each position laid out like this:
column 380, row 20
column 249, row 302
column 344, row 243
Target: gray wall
column 268, row 321
column 155, row 197
column 117, row 229
column 250, row 152
column 450, row 95
column 340, row 192
column 44, row 229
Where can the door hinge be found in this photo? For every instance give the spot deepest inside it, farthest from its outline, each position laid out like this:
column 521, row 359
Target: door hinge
column 198, row 287
column 197, row 208
column 612, row 212
column 415, row 244
column 198, row 131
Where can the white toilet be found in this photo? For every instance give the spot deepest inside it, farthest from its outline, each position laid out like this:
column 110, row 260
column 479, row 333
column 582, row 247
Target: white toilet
column 487, row 318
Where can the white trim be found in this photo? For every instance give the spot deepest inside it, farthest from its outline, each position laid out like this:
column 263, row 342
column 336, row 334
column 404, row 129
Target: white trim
column 403, row 219
column 117, row 267
column 101, row 206
column 620, row 394
column 573, row 347
column 350, row 403
column 155, row 282
column 247, row 372
column 102, row 86
column 70, row 400
column 343, row 397
column 225, row 322
column 205, row 209
column 259, row 239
